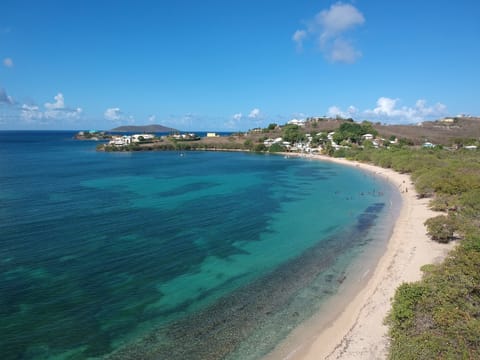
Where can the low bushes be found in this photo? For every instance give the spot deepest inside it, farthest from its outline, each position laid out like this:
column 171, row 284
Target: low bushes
column 439, row 316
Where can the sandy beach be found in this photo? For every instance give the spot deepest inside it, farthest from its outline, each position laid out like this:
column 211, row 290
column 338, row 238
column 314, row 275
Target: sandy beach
column 358, row 332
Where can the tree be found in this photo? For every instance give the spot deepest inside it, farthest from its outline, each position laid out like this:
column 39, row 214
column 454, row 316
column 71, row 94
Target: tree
column 271, row 126
column 368, row 144
column 259, row 148
column 367, row 128
column 329, row 149
column 292, row 132
column 352, row 132
column 276, row 148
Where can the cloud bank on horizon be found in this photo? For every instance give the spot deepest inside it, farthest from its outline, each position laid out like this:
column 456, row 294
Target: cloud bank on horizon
column 55, row 111
column 387, row 110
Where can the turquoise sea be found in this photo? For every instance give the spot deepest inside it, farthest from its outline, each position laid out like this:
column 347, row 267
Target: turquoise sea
column 167, row 255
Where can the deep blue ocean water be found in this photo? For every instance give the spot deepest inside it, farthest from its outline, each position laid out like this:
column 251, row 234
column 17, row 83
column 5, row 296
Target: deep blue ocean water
column 167, row 255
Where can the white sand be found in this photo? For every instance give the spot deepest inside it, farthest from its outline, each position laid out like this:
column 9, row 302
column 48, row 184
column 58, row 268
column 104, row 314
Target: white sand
column 358, row 332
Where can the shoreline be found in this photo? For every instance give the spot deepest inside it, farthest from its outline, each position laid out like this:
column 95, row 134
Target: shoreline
column 358, row 331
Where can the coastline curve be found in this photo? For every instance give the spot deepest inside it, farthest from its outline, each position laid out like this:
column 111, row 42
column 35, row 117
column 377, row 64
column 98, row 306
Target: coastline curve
column 358, row 330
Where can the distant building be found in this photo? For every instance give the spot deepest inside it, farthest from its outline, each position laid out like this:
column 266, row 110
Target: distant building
column 120, row 140
column 297, row 122
column 211, row 134
column 142, row 137
column 268, row 142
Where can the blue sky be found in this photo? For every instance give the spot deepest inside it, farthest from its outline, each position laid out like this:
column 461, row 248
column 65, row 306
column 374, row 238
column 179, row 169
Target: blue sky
column 235, row 65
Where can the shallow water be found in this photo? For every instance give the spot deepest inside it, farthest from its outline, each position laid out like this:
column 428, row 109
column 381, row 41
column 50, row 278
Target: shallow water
column 157, row 255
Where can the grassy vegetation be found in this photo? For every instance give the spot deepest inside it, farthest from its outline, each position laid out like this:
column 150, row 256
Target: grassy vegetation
column 439, row 316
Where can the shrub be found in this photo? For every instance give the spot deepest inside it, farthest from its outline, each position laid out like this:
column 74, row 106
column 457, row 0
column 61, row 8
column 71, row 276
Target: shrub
column 259, row 148
column 441, row 228
column 276, row 148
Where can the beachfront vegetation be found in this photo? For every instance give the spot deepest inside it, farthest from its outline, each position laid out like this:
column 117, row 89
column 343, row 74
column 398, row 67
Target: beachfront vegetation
column 351, row 132
column 439, row 316
column 441, row 228
column 292, row 132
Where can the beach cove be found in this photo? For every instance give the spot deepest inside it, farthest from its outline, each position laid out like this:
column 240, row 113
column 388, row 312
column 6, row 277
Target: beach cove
column 131, row 261
column 357, row 331
column 104, row 253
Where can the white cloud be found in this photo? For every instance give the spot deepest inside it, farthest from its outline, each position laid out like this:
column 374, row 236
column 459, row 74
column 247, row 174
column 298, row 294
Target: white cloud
column 113, row 114
column 299, row 36
column 234, row 122
column 389, row 110
column 8, row 62
column 239, row 120
column 53, row 111
column 329, row 28
column 4, row 98
column 58, row 104
column 352, row 110
column 58, row 110
column 343, row 51
column 387, row 107
column 152, row 119
column 254, row 114
column 338, row 19
column 334, row 111
column 436, row 110
column 30, row 113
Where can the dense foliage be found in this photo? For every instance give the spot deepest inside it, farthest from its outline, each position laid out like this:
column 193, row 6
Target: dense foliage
column 353, row 132
column 439, row 316
column 292, row 133
column 441, row 228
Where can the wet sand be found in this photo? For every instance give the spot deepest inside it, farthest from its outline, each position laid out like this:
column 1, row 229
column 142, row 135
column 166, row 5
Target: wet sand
column 358, row 330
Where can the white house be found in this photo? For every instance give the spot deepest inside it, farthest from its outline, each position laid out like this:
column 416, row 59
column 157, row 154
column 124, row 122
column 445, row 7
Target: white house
column 121, row 140
column 268, row 142
column 367, row 137
column 136, row 137
column 297, row 122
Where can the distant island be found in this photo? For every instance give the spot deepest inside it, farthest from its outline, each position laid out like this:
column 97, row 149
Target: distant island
column 144, row 128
